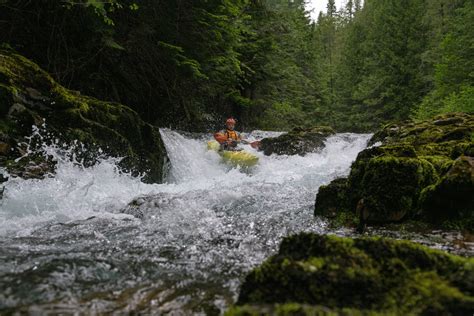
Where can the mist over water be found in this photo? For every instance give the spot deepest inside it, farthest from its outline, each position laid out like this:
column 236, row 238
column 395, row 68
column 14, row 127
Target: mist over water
column 65, row 244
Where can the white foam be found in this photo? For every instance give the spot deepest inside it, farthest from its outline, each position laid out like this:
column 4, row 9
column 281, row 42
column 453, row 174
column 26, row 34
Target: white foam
column 76, row 192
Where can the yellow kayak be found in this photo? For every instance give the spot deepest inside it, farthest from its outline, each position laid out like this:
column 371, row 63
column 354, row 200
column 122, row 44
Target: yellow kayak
column 235, row 158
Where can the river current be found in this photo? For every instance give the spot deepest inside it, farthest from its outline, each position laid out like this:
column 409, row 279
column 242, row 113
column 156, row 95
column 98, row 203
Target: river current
column 66, row 245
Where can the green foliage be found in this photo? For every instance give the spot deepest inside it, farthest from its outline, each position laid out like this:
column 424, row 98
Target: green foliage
column 389, row 59
column 453, row 78
column 102, row 8
column 460, row 102
column 264, row 62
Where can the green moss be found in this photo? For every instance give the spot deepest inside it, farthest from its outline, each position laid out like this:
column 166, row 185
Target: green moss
column 406, row 177
column 116, row 129
column 293, row 309
column 387, row 188
column 344, row 219
column 331, row 199
column 440, row 163
column 297, row 142
column 450, row 200
column 369, row 274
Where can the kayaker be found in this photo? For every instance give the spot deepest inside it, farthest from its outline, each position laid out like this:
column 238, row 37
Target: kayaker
column 229, row 138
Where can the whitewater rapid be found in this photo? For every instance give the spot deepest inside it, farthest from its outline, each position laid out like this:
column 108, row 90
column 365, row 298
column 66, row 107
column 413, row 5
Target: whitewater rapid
column 65, row 244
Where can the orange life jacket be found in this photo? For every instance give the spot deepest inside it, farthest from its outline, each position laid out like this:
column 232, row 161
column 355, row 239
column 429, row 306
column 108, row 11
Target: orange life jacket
column 230, row 134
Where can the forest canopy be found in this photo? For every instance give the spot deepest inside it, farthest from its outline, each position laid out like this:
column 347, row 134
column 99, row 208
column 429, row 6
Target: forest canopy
column 187, row 64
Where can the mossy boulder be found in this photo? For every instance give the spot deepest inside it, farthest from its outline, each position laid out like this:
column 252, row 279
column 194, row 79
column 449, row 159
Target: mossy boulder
column 387, row 188
column 440, row 129
column 297, row 142
column 451, row 199
column 332, row 199
column 29, row 96
column 418, row 170
column 368, row 274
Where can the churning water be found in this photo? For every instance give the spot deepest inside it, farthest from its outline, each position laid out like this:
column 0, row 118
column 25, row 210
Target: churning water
column 67, row 246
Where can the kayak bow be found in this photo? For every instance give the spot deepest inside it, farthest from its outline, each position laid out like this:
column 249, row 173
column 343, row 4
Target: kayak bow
column 240, row 158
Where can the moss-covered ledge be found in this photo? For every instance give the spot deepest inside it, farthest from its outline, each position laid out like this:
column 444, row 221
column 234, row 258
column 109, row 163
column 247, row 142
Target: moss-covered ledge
column 417, row 170
column 298, row 141
column 330, row 275
column 29, row 96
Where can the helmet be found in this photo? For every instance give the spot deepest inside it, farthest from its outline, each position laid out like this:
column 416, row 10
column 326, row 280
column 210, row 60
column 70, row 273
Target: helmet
column 230, row 120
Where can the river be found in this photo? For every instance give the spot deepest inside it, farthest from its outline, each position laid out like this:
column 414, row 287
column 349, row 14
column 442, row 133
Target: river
column 66, row 246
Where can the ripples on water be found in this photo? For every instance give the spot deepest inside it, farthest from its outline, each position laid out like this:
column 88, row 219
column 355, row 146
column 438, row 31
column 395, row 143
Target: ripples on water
column 66, row 246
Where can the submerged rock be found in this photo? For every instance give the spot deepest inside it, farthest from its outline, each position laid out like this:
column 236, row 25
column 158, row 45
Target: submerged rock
column 29, row 96
column 421, row 170
column 297, row 142
column 150, row 205
column 335, row 275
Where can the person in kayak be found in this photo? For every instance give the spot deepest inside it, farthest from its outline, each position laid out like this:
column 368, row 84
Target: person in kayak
column 229, row 138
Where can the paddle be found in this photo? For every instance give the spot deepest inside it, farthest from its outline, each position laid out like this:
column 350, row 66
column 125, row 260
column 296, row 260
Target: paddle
column 255, row 144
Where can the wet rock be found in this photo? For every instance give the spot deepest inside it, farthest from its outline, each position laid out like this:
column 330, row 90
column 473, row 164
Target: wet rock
column 4, row 148
column 451, row 199
column 297, row 142
column 143, row 206
column 363, row 276
column 29, row 96
column 424, row 132
column 331, row 199
column 421, row 170
column 16, row 109
column 35, row 167
column 449, row 121
column 390, row 186
column 35, row 94
column 134, row 211
column 33, row 171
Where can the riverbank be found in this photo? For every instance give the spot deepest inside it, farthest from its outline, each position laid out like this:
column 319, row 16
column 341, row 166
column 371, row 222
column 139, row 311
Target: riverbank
column 30, row 99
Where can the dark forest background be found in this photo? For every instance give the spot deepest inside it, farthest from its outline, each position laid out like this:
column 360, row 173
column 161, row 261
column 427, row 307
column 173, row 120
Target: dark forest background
column 188, row 64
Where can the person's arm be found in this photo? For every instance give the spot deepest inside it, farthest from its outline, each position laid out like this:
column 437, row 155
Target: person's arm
column 220, row 137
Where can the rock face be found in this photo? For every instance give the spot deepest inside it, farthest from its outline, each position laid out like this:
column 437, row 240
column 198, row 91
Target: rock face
column 358, row 276
column 421, row 170
column 297, row 142
column 332, row 198
column 29, row 96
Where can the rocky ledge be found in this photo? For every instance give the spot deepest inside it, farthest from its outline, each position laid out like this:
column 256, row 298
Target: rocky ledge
column 297, row 142
column 326, row 275
column 414, row 170
column 29, row 96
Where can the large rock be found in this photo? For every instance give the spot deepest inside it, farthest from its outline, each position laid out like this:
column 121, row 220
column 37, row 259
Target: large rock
column 331, row 198
column 451, row 199
column 297, row 142
column 418, row 170
column 333, row 275
column 29, row 96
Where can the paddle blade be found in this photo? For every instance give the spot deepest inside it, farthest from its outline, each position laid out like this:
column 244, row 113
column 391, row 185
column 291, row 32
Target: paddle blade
column 255, row 145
